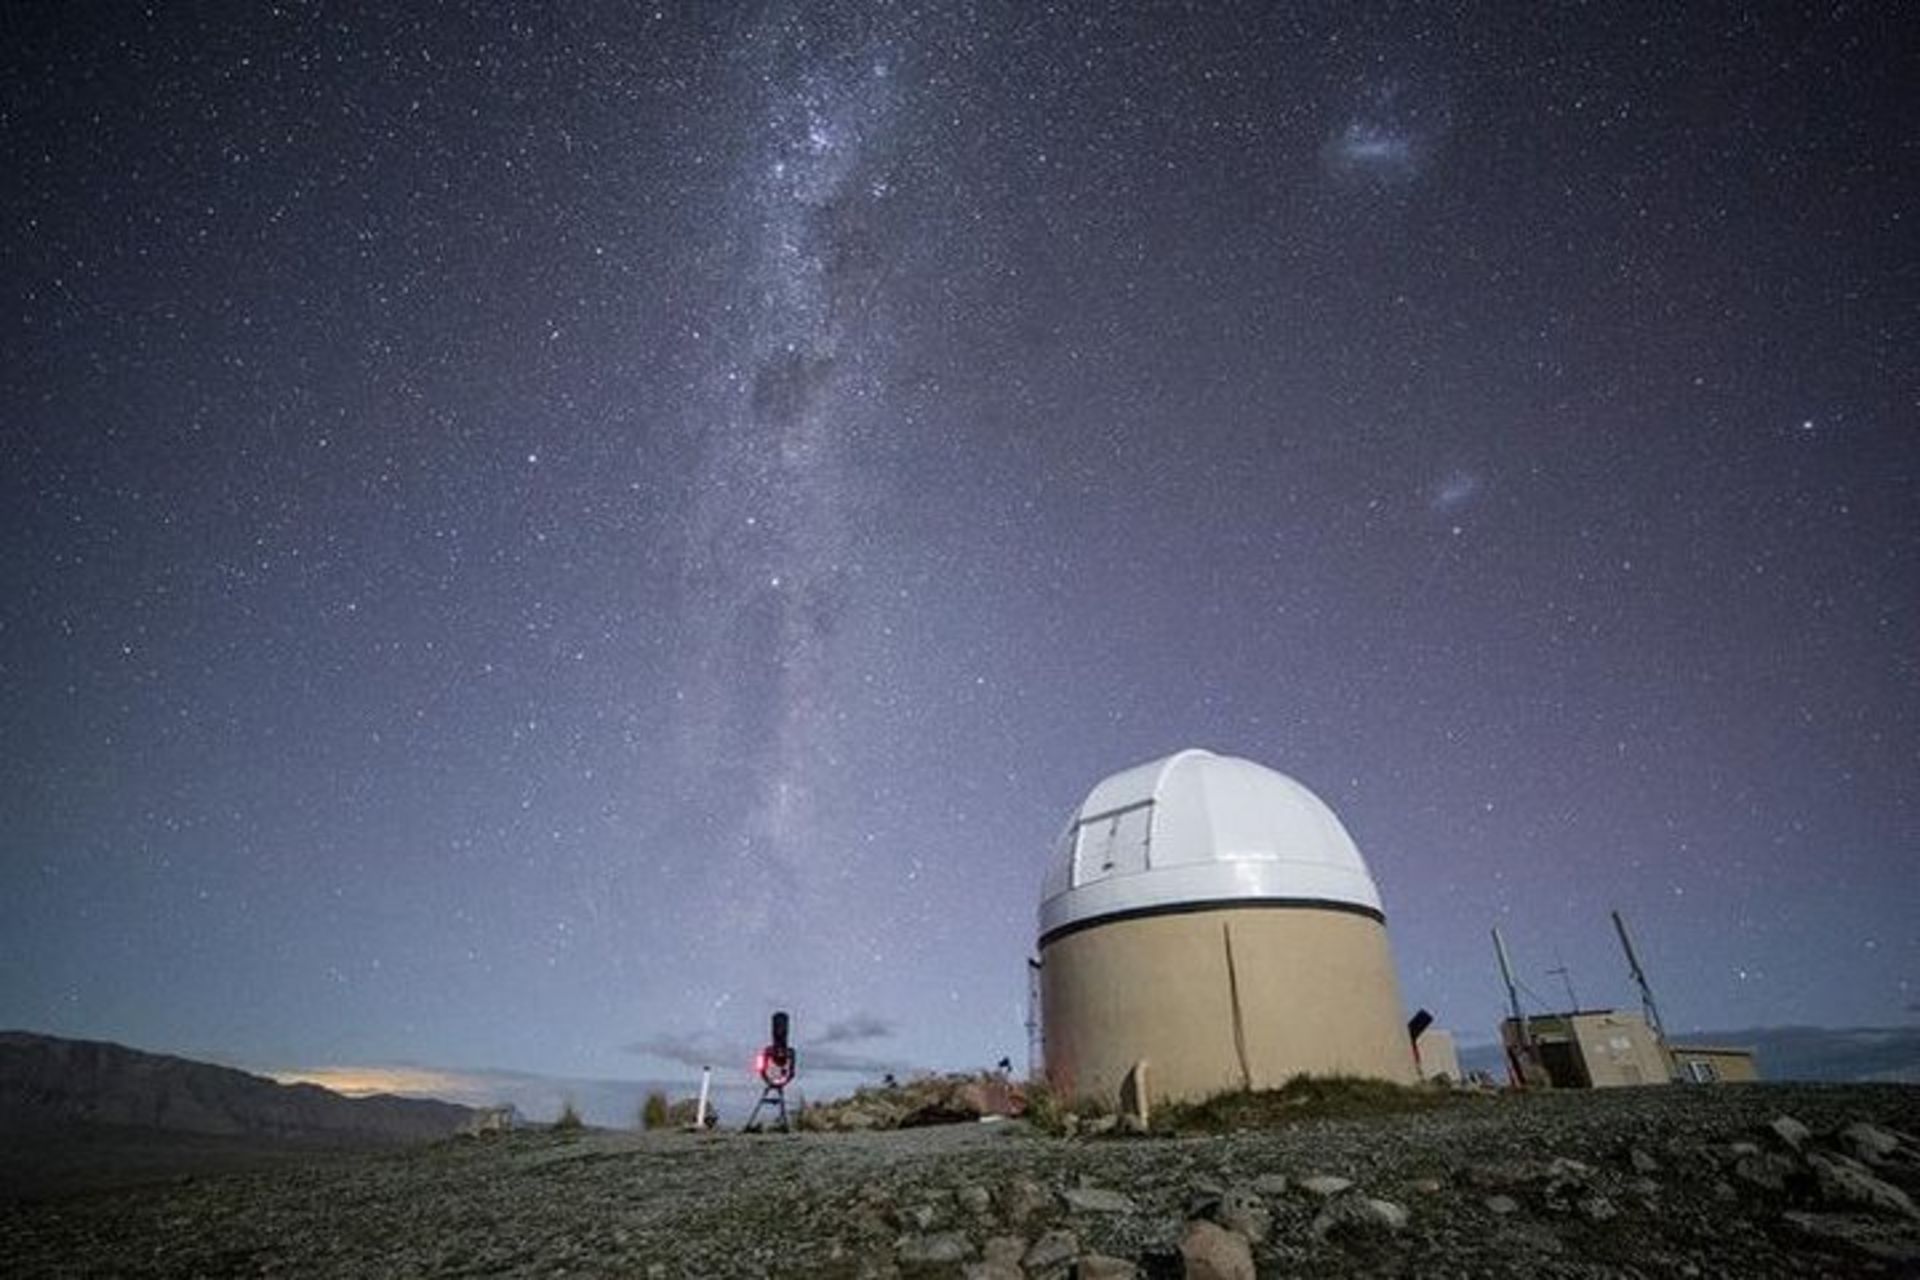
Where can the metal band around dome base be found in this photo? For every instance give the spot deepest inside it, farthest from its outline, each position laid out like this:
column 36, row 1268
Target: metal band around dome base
column 1216, row 904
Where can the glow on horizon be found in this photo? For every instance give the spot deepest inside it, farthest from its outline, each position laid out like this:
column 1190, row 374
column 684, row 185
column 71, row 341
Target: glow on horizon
column 366, row 1082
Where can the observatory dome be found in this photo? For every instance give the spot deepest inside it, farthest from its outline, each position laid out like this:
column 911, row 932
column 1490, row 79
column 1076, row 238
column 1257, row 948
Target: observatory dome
column 1194, row 832
column 1206, row 924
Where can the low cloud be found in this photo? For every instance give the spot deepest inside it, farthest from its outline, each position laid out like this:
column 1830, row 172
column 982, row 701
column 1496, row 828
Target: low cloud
column 861, row 1026
column 700, row 1050
column 830, row 1052
column 828, row 1059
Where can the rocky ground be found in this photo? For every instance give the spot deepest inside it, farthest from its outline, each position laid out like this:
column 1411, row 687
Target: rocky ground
column 1769, row 1180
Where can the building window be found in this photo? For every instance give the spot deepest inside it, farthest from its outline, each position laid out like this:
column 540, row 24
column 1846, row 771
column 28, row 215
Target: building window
column 1700, row 1071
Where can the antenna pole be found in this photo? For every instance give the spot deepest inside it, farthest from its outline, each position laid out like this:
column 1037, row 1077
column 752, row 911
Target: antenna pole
column 1513, row 991
column 1523, row 1063
column 1647, row 1004
column 1035, row 1048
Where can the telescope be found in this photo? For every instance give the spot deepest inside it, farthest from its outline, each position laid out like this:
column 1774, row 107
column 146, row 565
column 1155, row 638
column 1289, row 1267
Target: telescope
column 776, row 1062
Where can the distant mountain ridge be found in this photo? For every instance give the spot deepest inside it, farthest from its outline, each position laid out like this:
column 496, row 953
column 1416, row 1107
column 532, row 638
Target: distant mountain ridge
column 49, row 1084
column 1885, row 1055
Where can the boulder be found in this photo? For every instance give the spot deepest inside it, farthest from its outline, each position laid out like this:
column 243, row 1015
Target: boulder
column 1005, row 1250
column 1053, row 1249
column 1204, row 1199
column 1211, row 1252
column 1023, row 1198
column 1768, row 1170
column 992, row 1271
column 1358, row 1215
column 1869, row 1143
column 989, row 1096
column 916, row 1217
column 1096, row 1200
column 1597, row 1209
column 923, row 1101
column 937, row 1249
column 1842, row 1181
column 1324, row 1185
column 1871, row 1236
column 1241, row 1209
column 1790, row 1132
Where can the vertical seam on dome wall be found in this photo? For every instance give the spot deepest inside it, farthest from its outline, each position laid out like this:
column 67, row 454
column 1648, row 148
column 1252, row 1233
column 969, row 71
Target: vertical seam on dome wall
column 1233, row 995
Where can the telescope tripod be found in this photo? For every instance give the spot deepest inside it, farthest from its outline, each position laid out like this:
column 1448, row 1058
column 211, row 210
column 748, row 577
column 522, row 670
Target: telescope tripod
column 775, row 1096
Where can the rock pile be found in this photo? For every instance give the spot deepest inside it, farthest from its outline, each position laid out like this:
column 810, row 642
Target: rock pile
column 918, row 1103
column 1780, row 1183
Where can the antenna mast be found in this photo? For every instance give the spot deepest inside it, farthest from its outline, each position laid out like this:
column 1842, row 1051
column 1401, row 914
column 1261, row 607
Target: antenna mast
column 1522, row 1061
column 1513, row 992
column 1647, row 1004
column 1036, row 1049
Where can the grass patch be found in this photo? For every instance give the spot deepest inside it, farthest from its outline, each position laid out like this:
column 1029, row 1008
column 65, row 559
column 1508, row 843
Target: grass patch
column 1044, row 1108
column 1302, row 1098
column 1048, row 1112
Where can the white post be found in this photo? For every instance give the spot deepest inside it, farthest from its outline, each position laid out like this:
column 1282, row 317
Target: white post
column 700, row 1115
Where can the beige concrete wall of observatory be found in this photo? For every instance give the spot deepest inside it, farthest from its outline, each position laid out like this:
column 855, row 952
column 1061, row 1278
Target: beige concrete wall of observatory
column 1316, row 987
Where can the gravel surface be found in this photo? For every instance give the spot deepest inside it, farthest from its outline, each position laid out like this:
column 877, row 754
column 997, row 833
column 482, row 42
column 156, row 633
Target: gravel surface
column 1645, row 1182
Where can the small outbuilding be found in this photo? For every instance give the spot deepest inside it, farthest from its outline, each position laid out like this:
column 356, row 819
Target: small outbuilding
column 1210, row 918
column 1437, row 1056
column 1610, row 1048
column 1589, row 1048
column 1713, row 1064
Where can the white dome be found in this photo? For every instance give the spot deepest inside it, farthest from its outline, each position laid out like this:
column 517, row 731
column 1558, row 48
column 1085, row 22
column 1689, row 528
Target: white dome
column 1195, row 831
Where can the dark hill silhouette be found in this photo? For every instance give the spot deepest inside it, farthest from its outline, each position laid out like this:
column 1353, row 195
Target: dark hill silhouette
column 49, row 1085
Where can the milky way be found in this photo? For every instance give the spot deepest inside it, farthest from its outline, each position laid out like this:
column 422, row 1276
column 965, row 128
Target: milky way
column 794, row 403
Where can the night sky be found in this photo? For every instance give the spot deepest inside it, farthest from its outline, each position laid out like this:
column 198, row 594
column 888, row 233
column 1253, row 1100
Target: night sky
column 533, row 535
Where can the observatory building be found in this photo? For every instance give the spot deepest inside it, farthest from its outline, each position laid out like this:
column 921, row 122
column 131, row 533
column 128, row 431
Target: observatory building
column 1211, row 918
